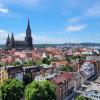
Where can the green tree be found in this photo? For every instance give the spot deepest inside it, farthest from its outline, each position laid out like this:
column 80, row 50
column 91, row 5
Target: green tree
column 80, row 98
column 46, row 61
column 42, row 90
column 68, row 58
column 38, row 62
column 16, row 63
column 24, row 64
column 12, row 89
column 1, row 64
column 66, row 68
column 27, row 78
column 29, row 63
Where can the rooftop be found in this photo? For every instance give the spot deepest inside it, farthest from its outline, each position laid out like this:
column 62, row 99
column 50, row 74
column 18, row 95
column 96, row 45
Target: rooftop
column 48, row 76
column 61, row 78
column 94, row 86
column 47, row 66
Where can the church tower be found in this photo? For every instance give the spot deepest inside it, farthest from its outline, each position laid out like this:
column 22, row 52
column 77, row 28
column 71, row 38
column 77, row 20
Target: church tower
column 28, row 38
column 8, row 41
column 12, row 41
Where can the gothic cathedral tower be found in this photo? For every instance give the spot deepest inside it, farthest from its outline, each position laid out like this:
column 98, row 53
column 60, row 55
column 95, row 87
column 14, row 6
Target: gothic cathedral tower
column 28, row 38
column 8, row 41
column 12, row 41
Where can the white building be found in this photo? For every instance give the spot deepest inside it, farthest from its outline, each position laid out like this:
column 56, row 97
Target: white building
column 87, row 70
column 97, row 58
column 48, row 76
column 92, row 92
column 44, row 55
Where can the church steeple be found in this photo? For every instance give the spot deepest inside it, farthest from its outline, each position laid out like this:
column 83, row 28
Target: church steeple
column 8, row 40
column 20, row 45
column 28, row 30
column 28, row 25
column 12, row 41
column 28, row 37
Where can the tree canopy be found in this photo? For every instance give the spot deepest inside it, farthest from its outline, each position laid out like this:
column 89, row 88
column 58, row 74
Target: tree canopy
column 46, row 61
column 41, row 90
column 80, row 98
column 1, row 64
column 16, row 63
column 12, row 89
column 27, row 78
column 66, row 68
column 29, row 63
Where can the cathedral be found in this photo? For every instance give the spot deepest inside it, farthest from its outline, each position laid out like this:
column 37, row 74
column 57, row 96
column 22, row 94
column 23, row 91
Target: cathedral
column 20, row 45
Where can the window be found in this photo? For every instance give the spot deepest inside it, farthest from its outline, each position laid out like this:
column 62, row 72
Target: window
column 63, row 88
column 96, row 96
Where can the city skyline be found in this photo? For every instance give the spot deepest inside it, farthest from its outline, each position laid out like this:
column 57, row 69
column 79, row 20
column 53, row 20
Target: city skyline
column 51, row 21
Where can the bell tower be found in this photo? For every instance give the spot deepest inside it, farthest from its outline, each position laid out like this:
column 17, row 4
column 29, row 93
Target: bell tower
column 8, row 41
column 28, row 38
column 12, row 41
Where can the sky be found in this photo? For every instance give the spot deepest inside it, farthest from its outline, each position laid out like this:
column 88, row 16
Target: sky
column 52, row 21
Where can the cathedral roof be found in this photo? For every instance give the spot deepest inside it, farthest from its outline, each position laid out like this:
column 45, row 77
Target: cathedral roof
column 20, row 43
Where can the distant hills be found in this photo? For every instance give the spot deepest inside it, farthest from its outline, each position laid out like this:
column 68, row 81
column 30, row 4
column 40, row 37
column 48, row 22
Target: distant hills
column 84, row 44
column 64, row 45
column 68, row 44
column 1, row 45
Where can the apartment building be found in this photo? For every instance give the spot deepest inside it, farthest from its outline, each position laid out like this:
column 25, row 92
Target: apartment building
column 64, row 84
column 32, row 70
column 3, row 75
column 11, row 72
column 92, row 92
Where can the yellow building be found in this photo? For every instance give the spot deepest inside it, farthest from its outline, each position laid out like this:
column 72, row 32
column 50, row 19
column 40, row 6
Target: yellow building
column 3, row 75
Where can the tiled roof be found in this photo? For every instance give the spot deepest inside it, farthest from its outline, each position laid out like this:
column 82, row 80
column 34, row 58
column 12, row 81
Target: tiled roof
column 61, row 78
column 20, row 42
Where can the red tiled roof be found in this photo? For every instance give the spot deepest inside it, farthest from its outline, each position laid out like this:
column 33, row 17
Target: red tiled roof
column 64, row 76
column 67, row 75
column 59, row 63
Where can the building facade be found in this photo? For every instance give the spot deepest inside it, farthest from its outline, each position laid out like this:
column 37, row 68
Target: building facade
column 64, row 84
column 20, row 45
column 92, row 92
column 10, row 72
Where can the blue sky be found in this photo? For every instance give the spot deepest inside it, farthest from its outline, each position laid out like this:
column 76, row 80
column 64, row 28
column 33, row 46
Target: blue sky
column 52, row 21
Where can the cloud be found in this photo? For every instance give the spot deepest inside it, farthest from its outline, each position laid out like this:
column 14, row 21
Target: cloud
column 3, row 9
column 75, row 28
column 27, row 3
column 3, row 36
column 75, row 19
column 3, row 33
column 40, row 39
column 46, row 39
column 94, row 11
column 37, row 39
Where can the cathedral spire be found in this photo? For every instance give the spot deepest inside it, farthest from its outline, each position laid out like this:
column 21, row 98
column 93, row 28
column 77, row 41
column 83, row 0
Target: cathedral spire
column 12, row 40
column 28, row 25
column 8, row 40
column 28, row 38
column 12, row 37
column 28, row 30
